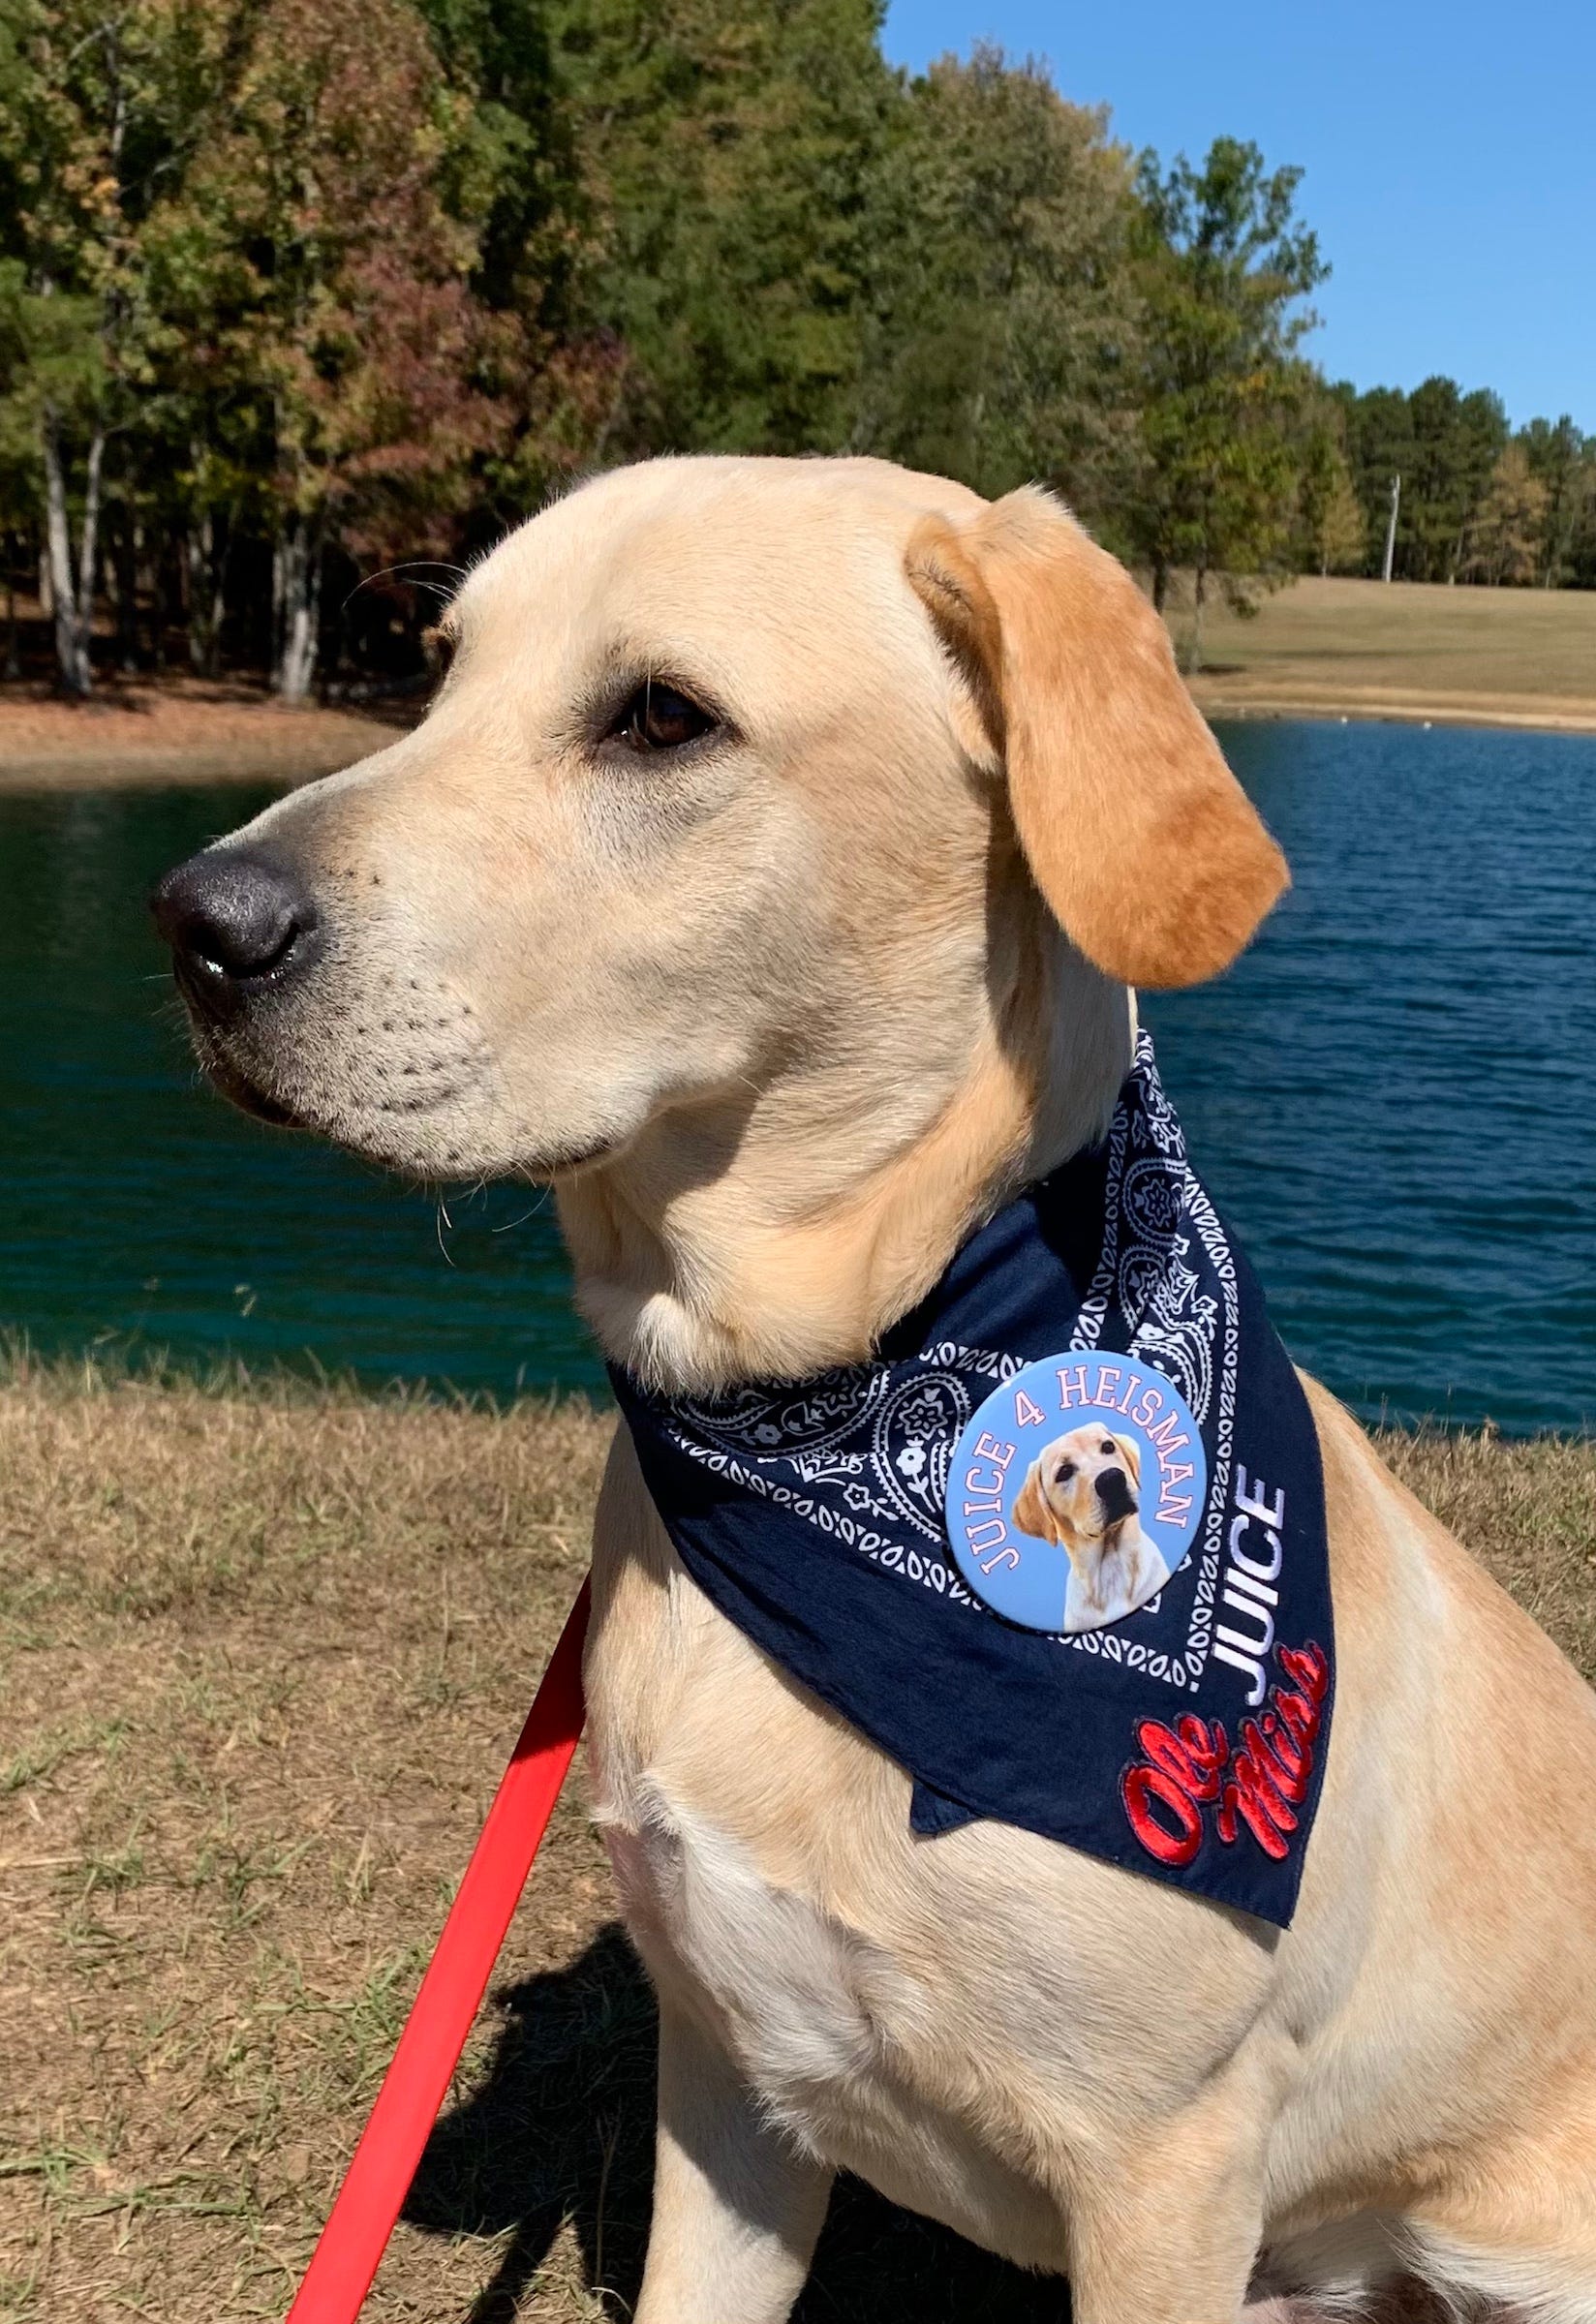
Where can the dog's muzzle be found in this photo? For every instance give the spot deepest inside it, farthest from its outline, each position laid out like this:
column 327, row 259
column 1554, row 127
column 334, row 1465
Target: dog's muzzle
column 1115, row 1493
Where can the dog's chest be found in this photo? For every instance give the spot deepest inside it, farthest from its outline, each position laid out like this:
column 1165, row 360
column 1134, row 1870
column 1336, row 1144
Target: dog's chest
column 769, row 1877
column 695, row 1741
column 808, row 2007
column 838, row 2038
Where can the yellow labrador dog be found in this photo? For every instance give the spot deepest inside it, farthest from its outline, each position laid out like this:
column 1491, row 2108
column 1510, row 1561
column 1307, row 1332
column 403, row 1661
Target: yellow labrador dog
column 772, row 872
column 1081, row 1493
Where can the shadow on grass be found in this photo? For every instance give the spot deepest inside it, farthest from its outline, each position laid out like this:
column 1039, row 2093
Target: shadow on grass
column 564, row 2128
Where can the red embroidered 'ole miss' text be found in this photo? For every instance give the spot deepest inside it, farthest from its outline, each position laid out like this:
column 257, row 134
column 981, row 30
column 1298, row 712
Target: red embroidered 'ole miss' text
column 1189, row 1767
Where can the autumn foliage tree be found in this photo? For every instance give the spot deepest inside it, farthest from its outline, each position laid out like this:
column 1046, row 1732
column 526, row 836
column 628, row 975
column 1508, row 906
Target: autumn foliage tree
column 1504, row 539
column 291, row 295
column 241, row 285
column 338, row 291
column 95, row 99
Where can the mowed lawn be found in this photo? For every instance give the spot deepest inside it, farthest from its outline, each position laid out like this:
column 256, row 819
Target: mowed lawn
column 1517, row 656
column 263, row 1653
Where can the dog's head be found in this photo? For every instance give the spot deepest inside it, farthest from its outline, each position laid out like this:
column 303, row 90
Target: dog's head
column 1080, row 1490
column 762, row 806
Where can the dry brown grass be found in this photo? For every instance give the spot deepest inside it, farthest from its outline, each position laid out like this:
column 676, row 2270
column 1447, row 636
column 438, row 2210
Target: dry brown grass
column 263, row 1656
column 1526, row 1509
column 1494, row 656
column 263, row 1653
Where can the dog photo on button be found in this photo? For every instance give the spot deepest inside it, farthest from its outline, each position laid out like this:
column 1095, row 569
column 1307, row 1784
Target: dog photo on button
column 1076, row 1491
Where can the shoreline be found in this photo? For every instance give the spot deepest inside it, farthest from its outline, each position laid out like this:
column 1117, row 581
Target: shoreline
column 1514, row 660
column 284, row 1382
column 115, row 746
column 145, row 737
column 1549, row 715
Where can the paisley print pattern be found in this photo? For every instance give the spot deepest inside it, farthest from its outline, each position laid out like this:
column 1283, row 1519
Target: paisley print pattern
column 862, row 1451
column 1184, row 1741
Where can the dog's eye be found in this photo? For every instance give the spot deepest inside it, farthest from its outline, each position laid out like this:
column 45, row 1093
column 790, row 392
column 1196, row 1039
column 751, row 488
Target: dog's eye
column 1067, row 1470
column 1108, row 1448
column 660, row 717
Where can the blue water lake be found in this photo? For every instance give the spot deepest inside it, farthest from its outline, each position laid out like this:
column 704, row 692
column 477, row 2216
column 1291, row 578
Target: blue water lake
column 1391, row 1097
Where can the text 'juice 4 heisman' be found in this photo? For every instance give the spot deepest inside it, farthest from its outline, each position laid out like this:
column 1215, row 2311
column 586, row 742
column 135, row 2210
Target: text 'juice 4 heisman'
column 1076, row 1491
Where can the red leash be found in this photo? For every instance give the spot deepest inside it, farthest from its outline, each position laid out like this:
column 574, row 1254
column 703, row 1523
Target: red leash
column 362, row 2218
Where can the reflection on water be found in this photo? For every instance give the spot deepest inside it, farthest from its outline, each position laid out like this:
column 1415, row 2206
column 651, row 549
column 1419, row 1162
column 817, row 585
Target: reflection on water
column 139, row 1205
column 1390, row 1096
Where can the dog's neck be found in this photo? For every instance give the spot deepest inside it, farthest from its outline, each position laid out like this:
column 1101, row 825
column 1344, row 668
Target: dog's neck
column 744, row 1239
column 1102, row 1577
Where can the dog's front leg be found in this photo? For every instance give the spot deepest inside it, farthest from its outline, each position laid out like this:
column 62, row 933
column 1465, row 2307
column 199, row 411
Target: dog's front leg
column 1157, row 2262
column 736, row 2206
column 1168, row 2233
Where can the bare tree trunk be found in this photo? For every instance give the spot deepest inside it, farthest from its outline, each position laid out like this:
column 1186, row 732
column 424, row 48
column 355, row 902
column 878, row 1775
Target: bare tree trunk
column 71, row 595
column 1161, row 584
column 125, row 565
column 198, row 546
column 13, row 648
column 166, row 578
column 217, row 613
column 1199, row 599
column 207, row 550
column 71, row 658
column 1460, row 549
column 296, row 586
column 89, row 542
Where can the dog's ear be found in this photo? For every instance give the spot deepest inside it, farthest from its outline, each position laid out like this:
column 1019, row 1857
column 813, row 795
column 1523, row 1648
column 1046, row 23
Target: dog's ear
column 1132, row 1451
column 1032, row 1512
column 1136, row 832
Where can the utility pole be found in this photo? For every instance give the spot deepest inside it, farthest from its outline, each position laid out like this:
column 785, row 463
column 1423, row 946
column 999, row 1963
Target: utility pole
column 1391, row 528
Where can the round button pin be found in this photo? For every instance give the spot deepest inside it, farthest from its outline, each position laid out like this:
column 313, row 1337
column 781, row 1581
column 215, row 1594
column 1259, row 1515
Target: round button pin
column 1076, row 1491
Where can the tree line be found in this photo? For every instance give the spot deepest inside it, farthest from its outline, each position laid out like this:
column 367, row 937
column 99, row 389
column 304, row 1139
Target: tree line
column 293, row 292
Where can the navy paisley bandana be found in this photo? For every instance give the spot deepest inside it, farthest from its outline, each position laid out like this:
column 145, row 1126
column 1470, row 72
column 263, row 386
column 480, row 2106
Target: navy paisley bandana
column 1068, row 1354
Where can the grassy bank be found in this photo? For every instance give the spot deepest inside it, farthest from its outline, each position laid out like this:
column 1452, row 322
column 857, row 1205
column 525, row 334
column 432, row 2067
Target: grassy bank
column 1358, row 649
column 263, row 1653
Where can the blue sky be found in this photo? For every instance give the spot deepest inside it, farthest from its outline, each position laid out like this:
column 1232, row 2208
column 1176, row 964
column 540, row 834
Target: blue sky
column 1450, row 159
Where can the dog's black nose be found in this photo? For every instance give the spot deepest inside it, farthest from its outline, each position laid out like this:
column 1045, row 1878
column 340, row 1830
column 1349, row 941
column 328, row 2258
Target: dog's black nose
column 1114, row 1492
column 231, row 917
